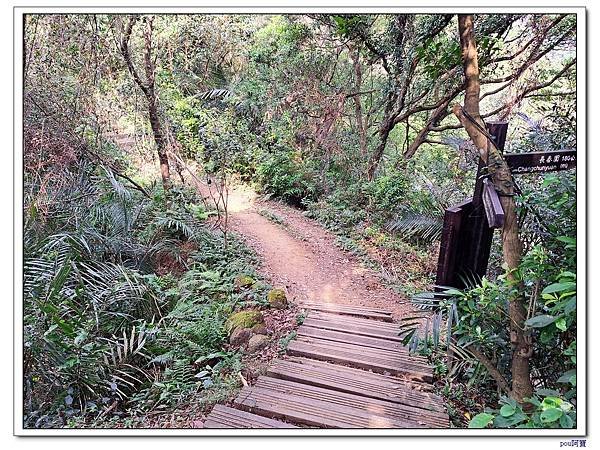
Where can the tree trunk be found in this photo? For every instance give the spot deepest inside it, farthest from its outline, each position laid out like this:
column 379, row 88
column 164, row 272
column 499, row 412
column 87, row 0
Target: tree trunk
column 161, row 146
column 499, row 172
column 384, row 133
column 358, row 110
column 148, row 88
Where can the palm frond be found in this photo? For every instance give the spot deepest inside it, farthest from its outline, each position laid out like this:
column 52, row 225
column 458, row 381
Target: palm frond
column 425, row 223
column 120, row 190
column 415, row 225
column 215, row 94
column 176, row 224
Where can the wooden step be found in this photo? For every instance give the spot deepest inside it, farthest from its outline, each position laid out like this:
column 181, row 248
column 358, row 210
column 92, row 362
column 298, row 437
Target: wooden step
column 315, row 305
column 360, row 321
column 367, row 313
column 354, row 328
column 350, row 338
column 225, row 417
column 391, row 411
column 359, row 382
column 401, row 354
column 276, row 403
column 377, row 360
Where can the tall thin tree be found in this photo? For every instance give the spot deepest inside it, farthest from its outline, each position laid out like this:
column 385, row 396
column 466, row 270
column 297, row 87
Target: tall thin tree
column 500, row 175
column 148, row 87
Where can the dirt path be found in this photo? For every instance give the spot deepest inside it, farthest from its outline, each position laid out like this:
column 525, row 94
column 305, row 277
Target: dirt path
column 300, row 256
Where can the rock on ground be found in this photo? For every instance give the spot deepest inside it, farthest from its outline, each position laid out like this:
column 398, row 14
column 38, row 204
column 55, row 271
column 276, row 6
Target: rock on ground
column 257, row 342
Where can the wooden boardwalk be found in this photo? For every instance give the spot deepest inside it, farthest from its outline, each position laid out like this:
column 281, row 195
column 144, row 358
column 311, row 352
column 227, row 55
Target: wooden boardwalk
column 347, row 368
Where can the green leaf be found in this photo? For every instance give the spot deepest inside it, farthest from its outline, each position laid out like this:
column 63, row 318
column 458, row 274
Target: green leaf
column 570, row 305
column 565, row 421
column 540, row 321
column 59, row 280
column 481, row 420
column 507, row 410
column 551, row 415
column 217, row 355
column 567, row 240
column 566, row 407
column 65, row 327
column 568, row 273
column 551, row 393
column 560, row 287
column 561, row 324
column 550, row 402
column 511, row 421
column 534, row 401
column 565, row 377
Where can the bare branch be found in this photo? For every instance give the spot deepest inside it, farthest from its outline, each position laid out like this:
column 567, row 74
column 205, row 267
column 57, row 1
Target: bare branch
column 533, row 58
column 526, row 46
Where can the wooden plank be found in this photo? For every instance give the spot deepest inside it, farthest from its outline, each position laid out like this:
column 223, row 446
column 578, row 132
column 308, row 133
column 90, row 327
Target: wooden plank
column 350, row 311
column 225, row 417
column 449, row 254
column 347, row 307
column 391, row 411
column 350, row 338
column 357, row 329
column 467, row 238
column 359, row 382
column 376, row 360
column 402, row 356
column 375, row 324
column 310, row 411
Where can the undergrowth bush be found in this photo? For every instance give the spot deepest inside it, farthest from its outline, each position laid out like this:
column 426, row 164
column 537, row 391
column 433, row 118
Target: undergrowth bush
column 125, row 299
column 289, row 177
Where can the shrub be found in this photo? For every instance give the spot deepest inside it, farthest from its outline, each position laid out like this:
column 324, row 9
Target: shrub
column 388, row 192
column 289, row 177
column 548, row 411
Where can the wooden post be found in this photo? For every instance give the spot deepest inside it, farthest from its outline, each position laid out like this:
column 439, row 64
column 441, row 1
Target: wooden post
column 452, row 244
column 476, row 259
column 465, row 254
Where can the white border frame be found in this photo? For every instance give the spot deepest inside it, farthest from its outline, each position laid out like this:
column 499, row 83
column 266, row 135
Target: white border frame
column 582, row 370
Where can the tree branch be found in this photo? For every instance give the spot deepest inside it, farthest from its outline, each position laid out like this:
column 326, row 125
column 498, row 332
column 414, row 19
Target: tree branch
column 491, row 368
column 526, row 46
column 537, row 87
column 127, row 55
column 436, row 116
column 533, row 58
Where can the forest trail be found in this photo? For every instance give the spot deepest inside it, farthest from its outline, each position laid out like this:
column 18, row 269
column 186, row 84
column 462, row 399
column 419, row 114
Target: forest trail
column 346, row 366
column 299, row 255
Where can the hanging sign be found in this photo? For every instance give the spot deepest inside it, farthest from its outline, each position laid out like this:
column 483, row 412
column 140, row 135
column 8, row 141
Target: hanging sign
column 540, row 162
column 492, row 206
